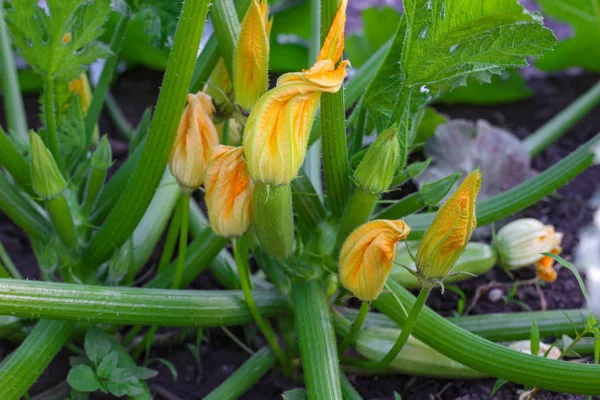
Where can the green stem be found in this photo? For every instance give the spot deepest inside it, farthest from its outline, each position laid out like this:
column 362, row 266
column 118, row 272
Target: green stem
column 307, row 205
column 407, row 328
column 240, row 247
column 15, row 163
column 93, row 188
column 551, row 131
column 207, row 60
column 316, row 340
column 133, row 306
column 117, row 116
column 359, row 210
column 148, row 172
column 8, row 263
column 51, row 129
column 348, row 391
column 529, row 192
column 62, row 221
column 20, row 210
column 487, row 357
column 169, row 247
column 13, row 101
column 227, row 28
column 184, row 205
column 106, row 76
column 358, row 322
column 245, row 377
column 28, row 362
column 333, row 126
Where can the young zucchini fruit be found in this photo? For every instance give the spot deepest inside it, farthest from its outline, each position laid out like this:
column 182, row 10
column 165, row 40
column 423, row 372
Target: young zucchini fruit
column 477, row 259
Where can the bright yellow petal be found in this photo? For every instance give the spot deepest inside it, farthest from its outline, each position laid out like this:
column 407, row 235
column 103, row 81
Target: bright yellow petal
column 333, row 47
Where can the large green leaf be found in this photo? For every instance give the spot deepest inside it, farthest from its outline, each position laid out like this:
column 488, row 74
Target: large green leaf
column 582, row 49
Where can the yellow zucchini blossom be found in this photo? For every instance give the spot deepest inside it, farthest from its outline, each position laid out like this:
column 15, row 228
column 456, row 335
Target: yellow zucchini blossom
column 228, row 192
column 367, row 255
column 81, row 87
column 277, row 130
column 251, row 56
column 195, row 141
column 447, row 237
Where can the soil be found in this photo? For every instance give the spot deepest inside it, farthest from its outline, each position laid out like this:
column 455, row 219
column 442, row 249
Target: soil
column 568, row 210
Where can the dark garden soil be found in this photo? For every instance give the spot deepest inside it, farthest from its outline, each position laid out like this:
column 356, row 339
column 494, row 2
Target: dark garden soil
column 219, row 356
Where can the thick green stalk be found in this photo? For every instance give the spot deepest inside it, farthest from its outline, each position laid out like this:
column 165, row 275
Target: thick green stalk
column 22, row 212
column 317, row 341
column 62, row 221
column 523, row 195
column 358, row 322
column 184, row 205
column 133, row 306
column 149, row 170
column 240, row 247
column 106, row 76
column 227, row 28
column 333, row 126
column 93, row 188
column 51, row 128
column 551, row 131
column 30, row 360
column 359, row 210
column 501, row 327
column 13, row 102
column 244, row 377
column 487, row 357
column 15, row 163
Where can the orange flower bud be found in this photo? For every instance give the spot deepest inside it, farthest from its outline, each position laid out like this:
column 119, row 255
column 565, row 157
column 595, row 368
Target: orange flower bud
column 367, row 255
column 251, row 57
column 447, row 237
column 195, row 141
column 277, row 130
column 228, row 192
column 81, row 87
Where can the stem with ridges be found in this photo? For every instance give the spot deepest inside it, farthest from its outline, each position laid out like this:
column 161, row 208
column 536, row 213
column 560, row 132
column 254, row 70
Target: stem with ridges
column 62, row 220
column 316, row 340
column 50, row 113
column 184, row 205
column 240, row 247
column 148, row 172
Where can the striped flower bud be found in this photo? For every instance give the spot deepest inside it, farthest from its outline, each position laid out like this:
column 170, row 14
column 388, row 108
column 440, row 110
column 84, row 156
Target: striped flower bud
column 376, row 171
column 277, row 130
column 449, row 233
column 251, row 56
column 47, row 180
column 195, row 141
column 367, row 255
column 228, row 192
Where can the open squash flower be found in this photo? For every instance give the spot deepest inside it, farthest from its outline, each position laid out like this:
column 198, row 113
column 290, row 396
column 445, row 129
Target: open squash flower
column 251, row 56
column 449, row 233
column 277, row 130
column 522, row 242
column 228, row 192
column 367, row 255
column 195, row 141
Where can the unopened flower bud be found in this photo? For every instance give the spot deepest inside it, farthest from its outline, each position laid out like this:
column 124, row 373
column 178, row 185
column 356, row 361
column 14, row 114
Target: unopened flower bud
column 81, row 87
column 102, row 157
column 251, row 56
column 376, row 171
column 278, row 128
column 228, row 192
column 220, row 89
column 367, row 256
column 522, row 242
column 195, row 141
column 46, row 177
column 446, row 238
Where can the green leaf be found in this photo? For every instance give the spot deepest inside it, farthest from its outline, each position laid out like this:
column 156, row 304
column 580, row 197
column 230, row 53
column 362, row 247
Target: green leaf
column 59, row 43
column 159, row 19
column 580, row 50
column 504, row 88
column 430, row 121
column 572, row 268
column 295, row 394
column 77, row 395
column 82, row 378
column 433, row 192
column 499, row 383
column 107, row 365
column 166, row 363
column 534, row 338
column 379, row 25
column 397, row 396
column 122, row 382
column 97, row 346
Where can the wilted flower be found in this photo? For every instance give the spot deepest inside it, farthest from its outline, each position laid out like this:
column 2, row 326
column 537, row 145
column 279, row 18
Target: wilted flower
column 367, row 255
column 522, row 242
column 376, row 171
column 195, row 141
column 251, row 56
column 228, row 192
column 447, row 237
column 277, row 130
